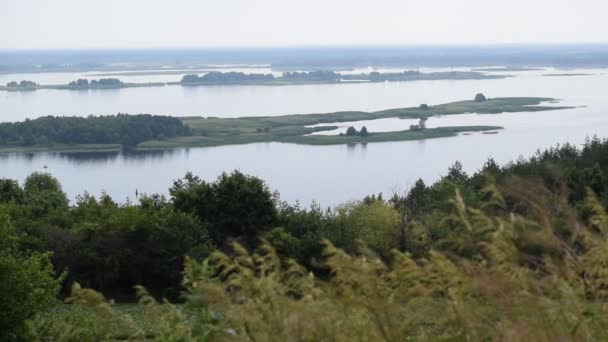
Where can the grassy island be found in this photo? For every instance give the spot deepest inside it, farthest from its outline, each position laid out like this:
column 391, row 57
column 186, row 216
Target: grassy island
column 159, row 132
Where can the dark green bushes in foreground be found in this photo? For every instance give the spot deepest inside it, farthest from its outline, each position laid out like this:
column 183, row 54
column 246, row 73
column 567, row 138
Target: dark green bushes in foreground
column 516, row 252
column 113, row 129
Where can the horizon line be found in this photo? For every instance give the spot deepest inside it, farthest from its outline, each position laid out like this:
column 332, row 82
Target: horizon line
column 315, row 46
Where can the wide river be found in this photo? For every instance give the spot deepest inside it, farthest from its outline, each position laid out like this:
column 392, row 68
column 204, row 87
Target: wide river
column 328, row 174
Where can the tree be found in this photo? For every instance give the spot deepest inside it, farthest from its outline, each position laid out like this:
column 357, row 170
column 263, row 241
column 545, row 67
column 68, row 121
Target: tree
column 43, row 192
column 351, row 131
column 10, row 191
column 363, row 132
column 423, row 106
column 235, row 205
column 456, row 173
column 422, row 122
column 375, row 223
column 27, row 284
column 480, row 98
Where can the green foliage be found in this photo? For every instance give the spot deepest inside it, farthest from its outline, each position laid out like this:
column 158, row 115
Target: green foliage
column 522, row 283
column 507, row 253
column 27, row 284
column 43, row 193
column 113, row 129
column 375, row 224
column 235, row 205
column 10, row 191
column 284, row 243
column 480, row 98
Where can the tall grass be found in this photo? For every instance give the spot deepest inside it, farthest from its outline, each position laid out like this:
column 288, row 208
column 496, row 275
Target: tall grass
column 521, row 267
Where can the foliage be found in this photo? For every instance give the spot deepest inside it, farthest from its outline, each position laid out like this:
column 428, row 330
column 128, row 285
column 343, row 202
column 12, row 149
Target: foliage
column 480, row 98
column 216, row 77
column 112, row 129
column 523, row 282
column 352, row 132
column 235, row 205
column 516, row 252
column 43, row 193
column 27, row 284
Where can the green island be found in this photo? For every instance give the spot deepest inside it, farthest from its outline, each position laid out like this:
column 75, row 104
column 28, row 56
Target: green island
column 146, row 132
column 216, row 78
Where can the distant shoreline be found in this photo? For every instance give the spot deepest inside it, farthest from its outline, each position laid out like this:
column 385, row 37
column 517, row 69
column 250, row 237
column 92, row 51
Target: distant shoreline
column 278, row 81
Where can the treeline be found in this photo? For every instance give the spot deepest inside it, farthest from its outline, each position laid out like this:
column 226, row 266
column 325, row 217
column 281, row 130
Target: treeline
column 23, row 84
column 312, row 75
column 104, row 82
column 503, row 247
column 216, row 77
column 128, row 130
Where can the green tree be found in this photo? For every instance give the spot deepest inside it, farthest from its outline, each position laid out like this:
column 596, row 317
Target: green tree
column 235, row 205
column 351, row 131
column 43, row 193
column 480, row 98
column 10, row 191
column 375, row 224
column 363, row 132
column 27, row 284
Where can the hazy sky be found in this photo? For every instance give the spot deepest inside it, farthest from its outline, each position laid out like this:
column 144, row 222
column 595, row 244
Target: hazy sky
column 155, row 23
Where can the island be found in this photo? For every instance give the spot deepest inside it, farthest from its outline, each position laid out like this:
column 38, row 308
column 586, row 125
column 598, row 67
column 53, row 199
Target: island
column 152, row 132
column 325, row 77
column 80, row 84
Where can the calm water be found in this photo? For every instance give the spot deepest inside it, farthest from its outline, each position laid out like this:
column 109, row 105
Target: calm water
column 328, row 174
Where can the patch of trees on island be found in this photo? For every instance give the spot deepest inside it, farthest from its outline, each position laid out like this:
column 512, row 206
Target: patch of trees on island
column 127, row 130
column 352, row 132
column 420, row 126
column 216, row 77
column 22, row 84
column 319, row 75
column 104, row 82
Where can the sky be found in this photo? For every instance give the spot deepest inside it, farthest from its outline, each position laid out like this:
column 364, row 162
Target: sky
column 224, row 23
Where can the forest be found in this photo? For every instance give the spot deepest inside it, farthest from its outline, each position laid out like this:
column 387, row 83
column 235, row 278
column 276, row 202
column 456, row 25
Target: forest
column 515, row 252
column 127, row 130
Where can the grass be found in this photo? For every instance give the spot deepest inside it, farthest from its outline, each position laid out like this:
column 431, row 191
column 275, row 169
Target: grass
column 61, row 320
column 293, row 128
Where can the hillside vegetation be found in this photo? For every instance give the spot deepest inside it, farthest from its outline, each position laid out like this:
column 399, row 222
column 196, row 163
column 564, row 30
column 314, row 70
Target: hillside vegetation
column 509, row 253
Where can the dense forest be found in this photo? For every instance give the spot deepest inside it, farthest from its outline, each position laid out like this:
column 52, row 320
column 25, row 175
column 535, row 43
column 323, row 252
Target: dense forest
column 127, row 130
column 516, row 252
